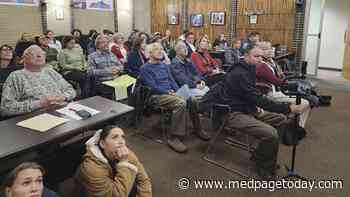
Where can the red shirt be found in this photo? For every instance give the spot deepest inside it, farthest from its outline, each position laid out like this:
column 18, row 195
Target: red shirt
column 204, row 62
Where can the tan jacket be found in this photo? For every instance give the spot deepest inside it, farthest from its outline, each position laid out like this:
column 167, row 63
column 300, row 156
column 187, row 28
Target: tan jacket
column 95, row 174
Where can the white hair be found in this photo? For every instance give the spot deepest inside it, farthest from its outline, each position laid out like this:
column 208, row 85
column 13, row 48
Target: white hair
column 31, row 51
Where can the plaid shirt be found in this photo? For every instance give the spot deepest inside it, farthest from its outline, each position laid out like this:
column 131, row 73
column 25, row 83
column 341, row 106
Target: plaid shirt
column 100, row 65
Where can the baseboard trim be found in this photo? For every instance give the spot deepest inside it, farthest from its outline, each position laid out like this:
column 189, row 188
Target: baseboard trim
column 332, row 69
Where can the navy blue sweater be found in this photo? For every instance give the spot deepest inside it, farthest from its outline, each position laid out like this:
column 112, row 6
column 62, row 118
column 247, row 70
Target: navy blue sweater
column 184, row 72
column 158, row 77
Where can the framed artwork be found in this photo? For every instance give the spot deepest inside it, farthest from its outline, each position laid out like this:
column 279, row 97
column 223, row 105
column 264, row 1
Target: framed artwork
column 253, row 19
column 197, row 20
column 173, row 19
column 20, row 2
column 217, row 18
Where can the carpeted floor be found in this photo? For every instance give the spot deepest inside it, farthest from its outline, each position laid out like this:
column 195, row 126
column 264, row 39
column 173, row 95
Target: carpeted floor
column 323, row 155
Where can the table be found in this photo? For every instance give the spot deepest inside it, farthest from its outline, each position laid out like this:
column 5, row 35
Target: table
column 15, row 140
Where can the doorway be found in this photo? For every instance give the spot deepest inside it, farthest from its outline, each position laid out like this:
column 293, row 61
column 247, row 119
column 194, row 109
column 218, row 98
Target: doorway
column 326, row 23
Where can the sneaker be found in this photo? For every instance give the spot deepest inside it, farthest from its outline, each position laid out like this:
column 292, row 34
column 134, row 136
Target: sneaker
column 202, row 134
column 177, row 145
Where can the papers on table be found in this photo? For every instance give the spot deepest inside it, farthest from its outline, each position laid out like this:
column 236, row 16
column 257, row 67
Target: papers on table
column 120, row 86
column 70, row 109
column 42, row 123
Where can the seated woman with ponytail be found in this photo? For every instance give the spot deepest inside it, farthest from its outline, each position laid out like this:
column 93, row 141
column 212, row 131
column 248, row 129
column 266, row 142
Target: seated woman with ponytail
column 110, row 169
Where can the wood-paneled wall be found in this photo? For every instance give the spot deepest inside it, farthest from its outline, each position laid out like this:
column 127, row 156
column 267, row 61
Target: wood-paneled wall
column 276, row 24
column 205, row 7
column 159, row 16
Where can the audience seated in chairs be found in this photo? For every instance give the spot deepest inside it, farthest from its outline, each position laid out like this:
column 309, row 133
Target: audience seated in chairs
column 238, row 91
column 185, row 73
column 26, row 180
column 53, row 43
column 158, row 77
column 73, row 64
column 116, row 46
column 109, row 168
column 34, row 87
column 232, row 55
column 103, row 66
column 220, row 43
column 269, row 74
column 190, row 42
column 91, row 37
column 51, row 54
column 27, row 39
column 252, row 39
column 136, row 57
column 206, row 65
column 7, row 63
column 168, row 42
column 80, row 39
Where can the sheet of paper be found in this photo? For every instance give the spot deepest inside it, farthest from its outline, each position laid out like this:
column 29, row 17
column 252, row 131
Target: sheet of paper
column 121, row 85
column 75, row 106
column 42, row 123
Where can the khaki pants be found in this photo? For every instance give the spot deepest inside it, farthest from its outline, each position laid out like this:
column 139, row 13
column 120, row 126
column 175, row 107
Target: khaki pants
column 178, row 105
column 263, row 126
column 280, row 97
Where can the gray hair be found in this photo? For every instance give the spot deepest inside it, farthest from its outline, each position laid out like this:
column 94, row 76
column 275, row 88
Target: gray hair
column 152, row 47
column 116, row 36
column 180, row 46
column 98, row 38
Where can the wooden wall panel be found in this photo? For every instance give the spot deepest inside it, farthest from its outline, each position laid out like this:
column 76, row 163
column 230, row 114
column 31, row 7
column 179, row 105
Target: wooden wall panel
column 276, row 24
column 159, row 16
column 15, row 20
column 205, row 7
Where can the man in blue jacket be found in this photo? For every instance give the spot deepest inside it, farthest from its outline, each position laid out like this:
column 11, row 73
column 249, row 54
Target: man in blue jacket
column 185, row 73
column 158, row 77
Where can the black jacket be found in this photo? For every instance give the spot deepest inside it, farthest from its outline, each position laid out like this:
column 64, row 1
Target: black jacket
column 238, row 90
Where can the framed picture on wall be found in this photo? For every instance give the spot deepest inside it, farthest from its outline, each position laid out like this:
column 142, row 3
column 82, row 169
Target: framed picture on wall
column 196, row 20
column 217, row 18
column 173, row 19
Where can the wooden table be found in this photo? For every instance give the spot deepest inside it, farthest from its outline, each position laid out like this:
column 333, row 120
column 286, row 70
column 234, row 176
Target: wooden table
column 15, row 140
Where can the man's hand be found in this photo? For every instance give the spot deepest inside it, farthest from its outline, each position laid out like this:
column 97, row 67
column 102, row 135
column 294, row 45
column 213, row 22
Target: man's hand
column 51, row 101
column 200, row 85
column 172, row 93
column 259, row 110
column 298, row 108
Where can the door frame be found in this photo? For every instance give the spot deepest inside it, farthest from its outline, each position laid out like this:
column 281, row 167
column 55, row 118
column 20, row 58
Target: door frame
column 306, row 32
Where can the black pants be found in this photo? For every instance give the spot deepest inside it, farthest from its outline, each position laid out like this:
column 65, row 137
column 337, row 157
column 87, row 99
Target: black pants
column 211, row 80
column 82, row 79
column 104, row 91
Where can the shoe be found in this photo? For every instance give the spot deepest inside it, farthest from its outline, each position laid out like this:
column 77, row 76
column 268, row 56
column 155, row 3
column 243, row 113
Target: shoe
column 202, row 134
column 177, row 145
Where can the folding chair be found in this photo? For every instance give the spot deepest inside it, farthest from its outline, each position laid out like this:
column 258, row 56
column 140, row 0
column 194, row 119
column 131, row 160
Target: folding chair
column 219, row 117
column 140, row 101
